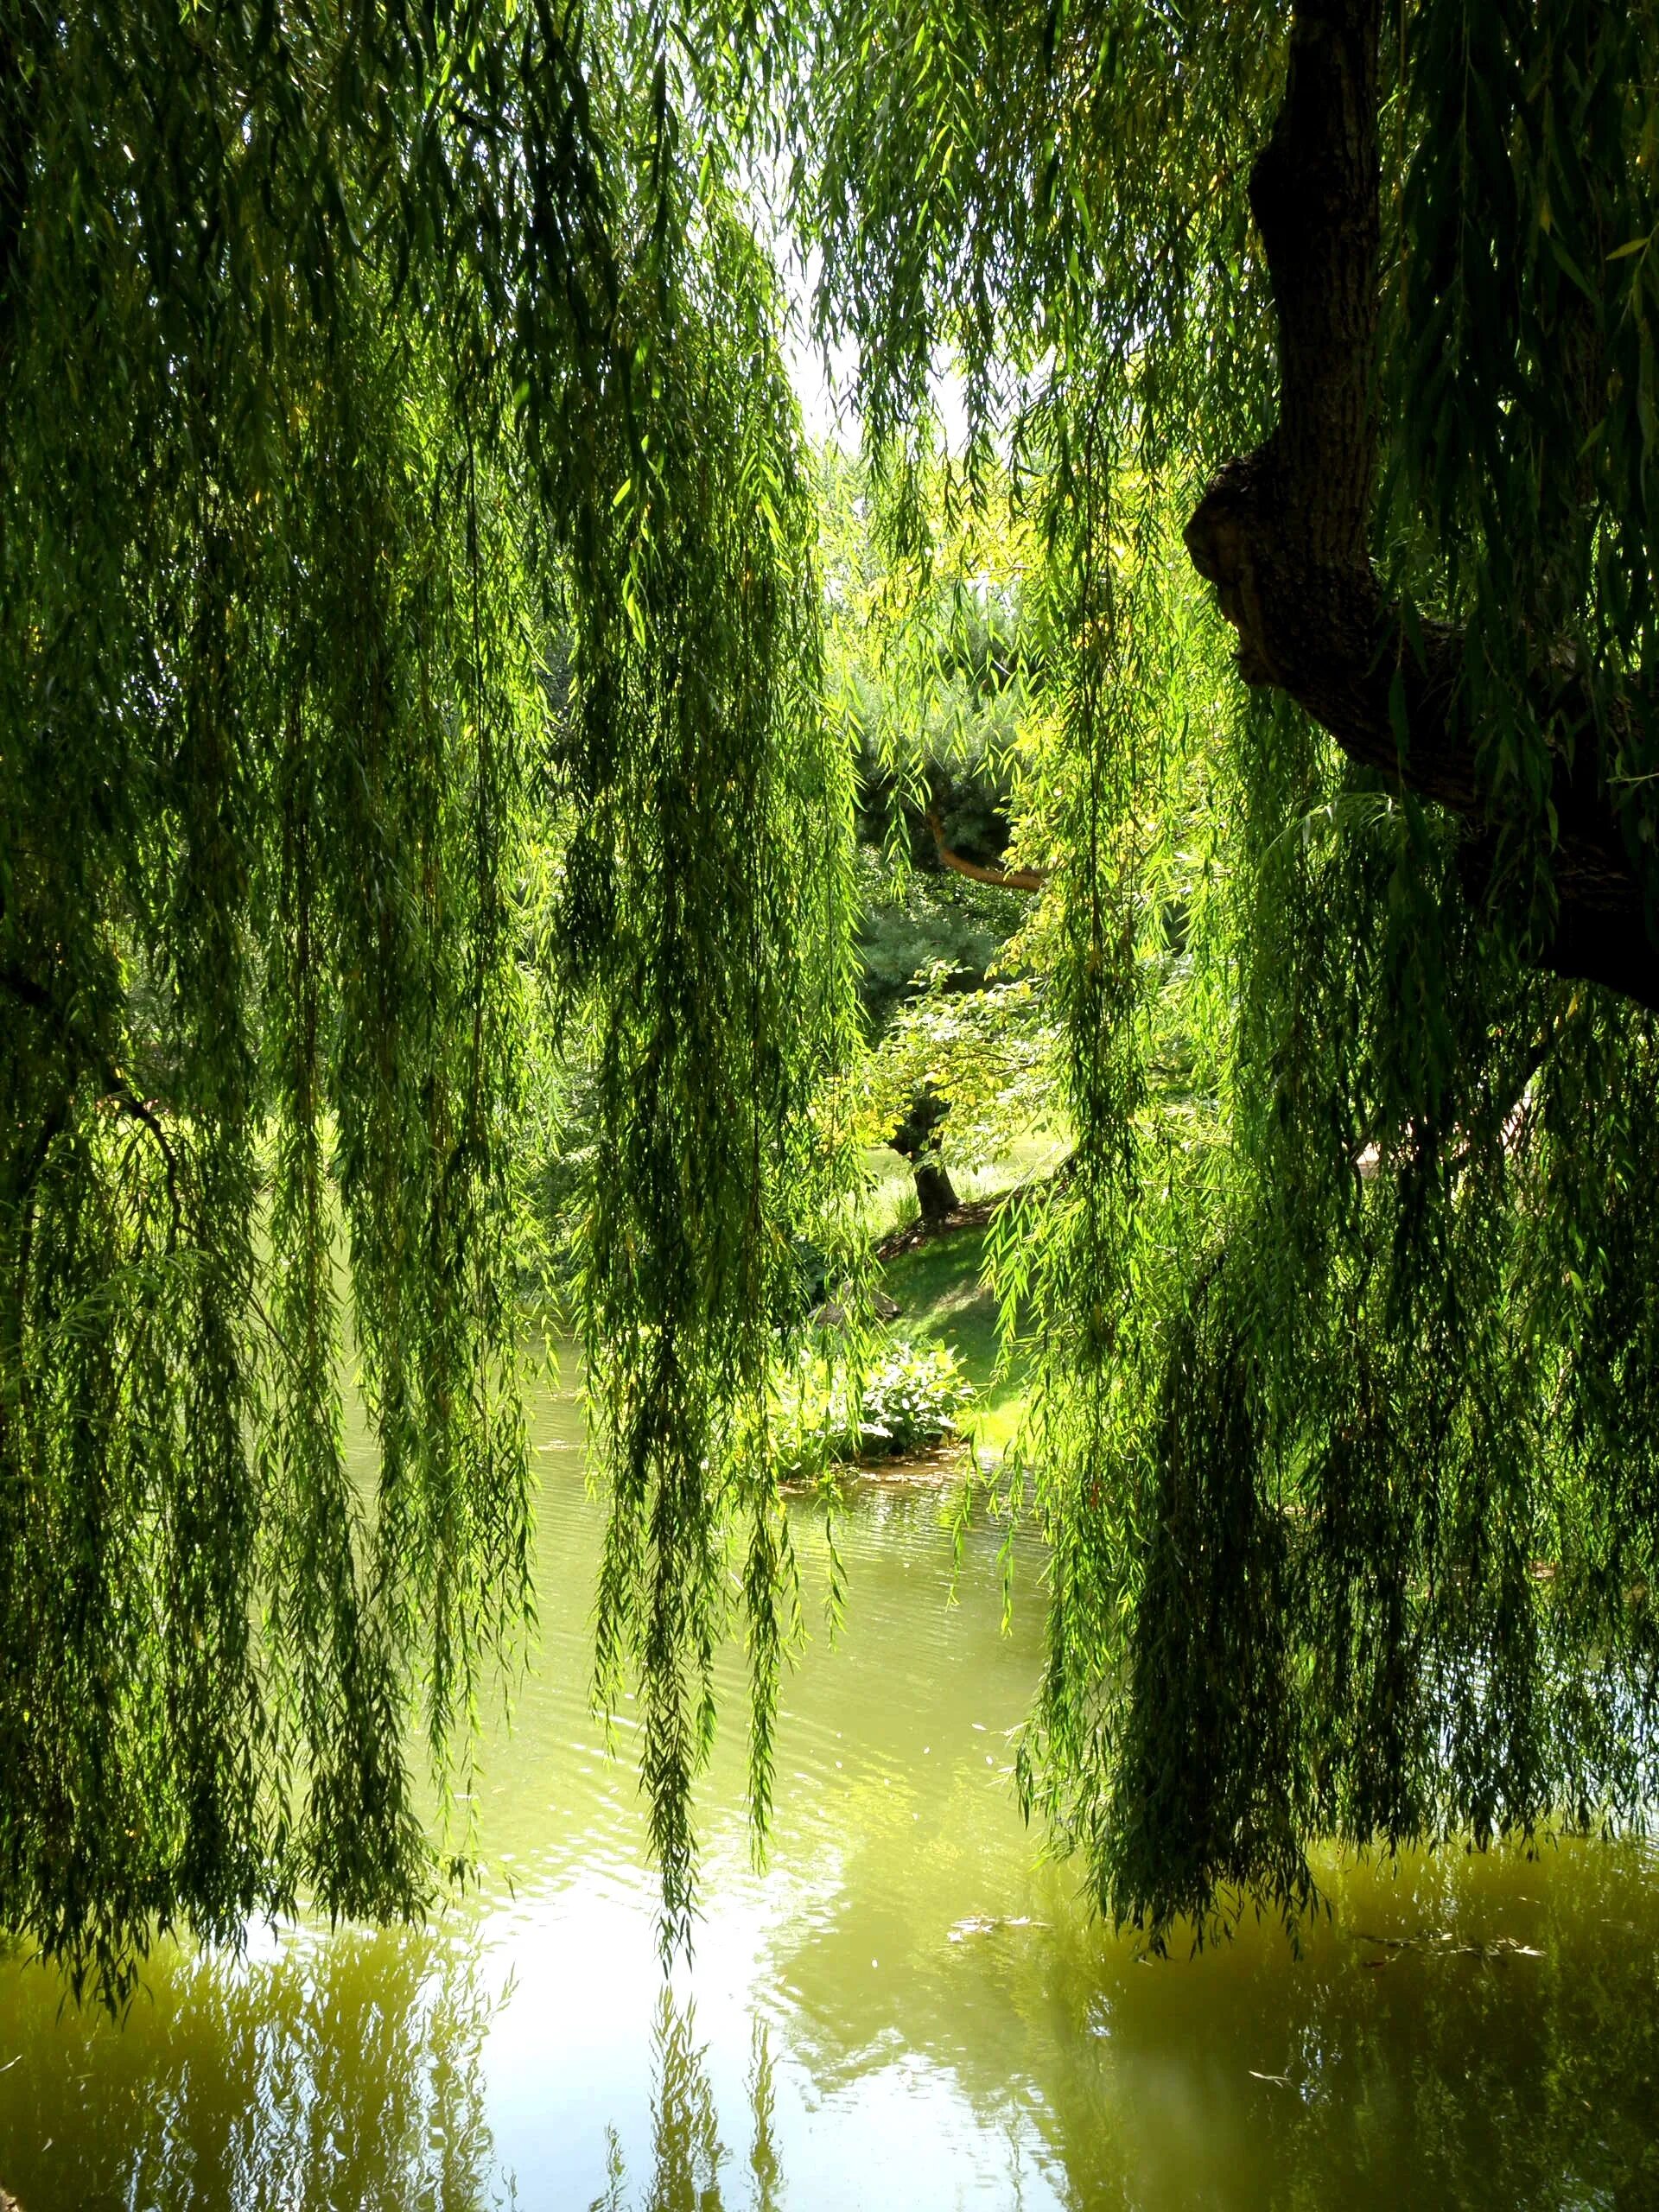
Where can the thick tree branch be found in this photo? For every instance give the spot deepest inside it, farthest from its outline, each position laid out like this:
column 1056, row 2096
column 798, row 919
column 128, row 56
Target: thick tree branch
column 1006, row 879
column 1282, row 532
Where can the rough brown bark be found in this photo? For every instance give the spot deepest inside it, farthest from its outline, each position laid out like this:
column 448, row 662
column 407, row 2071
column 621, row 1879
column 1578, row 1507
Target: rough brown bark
column 914, row 1140
column 936, row 1194
column 1282, row 532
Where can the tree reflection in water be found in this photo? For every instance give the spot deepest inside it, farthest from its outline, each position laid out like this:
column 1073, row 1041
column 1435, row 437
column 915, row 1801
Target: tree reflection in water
column 687, row 2153
column 1495, row 2041
column 1445, row 2063
column 344, row 2073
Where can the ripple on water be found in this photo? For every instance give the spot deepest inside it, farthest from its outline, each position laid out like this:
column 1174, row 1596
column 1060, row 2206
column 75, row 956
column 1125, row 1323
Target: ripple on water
column 906, row 2009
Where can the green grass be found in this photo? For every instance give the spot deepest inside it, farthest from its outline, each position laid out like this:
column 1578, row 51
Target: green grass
column 944, row 1299
column 889, row 1201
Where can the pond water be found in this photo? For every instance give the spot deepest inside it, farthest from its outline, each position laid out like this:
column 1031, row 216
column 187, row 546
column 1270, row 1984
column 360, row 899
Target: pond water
column 906, row 2010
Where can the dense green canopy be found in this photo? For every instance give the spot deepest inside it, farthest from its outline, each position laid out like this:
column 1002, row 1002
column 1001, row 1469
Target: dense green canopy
column 411, row 631
column 1347, row 1309
column 395, row 450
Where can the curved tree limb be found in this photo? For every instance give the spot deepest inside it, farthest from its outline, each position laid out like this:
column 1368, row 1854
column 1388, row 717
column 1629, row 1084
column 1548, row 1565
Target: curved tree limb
column 1005, row 878
column 1282, row 531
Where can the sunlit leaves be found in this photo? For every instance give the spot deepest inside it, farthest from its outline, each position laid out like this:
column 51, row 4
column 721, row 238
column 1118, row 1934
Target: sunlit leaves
column 1341, row 1454
column 289, row 305
column 702, row 946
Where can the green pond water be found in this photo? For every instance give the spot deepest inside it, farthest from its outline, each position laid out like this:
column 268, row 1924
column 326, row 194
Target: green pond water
column 906, row 2010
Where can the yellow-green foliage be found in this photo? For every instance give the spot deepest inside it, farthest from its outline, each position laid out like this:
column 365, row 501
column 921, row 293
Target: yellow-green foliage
column 408, row 609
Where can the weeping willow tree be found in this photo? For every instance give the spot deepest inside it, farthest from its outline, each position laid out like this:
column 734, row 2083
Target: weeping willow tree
column 392, row 444
column 397, row 462
column 1344, row 1437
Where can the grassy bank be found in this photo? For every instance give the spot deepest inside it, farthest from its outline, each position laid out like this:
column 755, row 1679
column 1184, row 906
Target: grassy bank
column 889, row 1201
column 943, row 1298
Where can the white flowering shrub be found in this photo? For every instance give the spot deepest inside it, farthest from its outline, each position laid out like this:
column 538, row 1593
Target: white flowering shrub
column 911, row 1397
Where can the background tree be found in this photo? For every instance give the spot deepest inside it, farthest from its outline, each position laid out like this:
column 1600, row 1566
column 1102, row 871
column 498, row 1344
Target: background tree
column 939, row 685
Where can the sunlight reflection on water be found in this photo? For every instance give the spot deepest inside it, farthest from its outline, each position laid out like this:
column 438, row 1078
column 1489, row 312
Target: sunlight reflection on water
column 906, row 2010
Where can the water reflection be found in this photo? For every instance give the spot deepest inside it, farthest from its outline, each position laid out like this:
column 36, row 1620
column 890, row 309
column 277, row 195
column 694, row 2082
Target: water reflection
column 1502, row 2048
column 908, row 2010
column 331, row 2075
column 1465, row 2035
column 687, row 2153
column 1435, row 2058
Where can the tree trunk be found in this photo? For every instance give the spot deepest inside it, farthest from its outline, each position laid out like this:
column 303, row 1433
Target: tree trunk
column 935, row 1193
column 913, row 1141
column 1282, row 532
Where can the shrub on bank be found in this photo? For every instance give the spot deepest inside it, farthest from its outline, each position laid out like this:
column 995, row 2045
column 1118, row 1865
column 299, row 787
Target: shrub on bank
column 912, row 1396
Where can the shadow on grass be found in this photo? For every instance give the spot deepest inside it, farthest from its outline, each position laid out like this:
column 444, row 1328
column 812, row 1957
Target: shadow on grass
column 944, row 1298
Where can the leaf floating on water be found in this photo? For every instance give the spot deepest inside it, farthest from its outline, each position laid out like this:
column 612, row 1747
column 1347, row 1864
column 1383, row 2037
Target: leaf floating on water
column 979, row 1924
column 1441, row 1943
